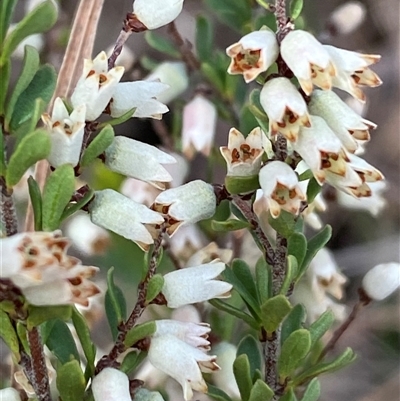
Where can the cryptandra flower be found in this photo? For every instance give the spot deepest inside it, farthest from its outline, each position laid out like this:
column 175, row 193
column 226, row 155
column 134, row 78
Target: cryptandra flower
column 66, row 133
column 309, row 61
column 199, row 121
column 253, row 54
column 96, row 86
column 243, row 155
column 111, row 385
column 195, row 284
column 382, row 280
column 174, row 74
column 143, row 95
column 37, row 263
column 348, row 126
column 153, row 14
column 117, row 213
column 182, row 362
column 352, row 70
column 285, row 107
column 281, row 188
column 346, row 18
column 138, row 160
column 186, row 204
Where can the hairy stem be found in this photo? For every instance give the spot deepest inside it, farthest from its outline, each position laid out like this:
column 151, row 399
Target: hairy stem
column 8, row 215
column 38, row 372
column 119, row 347
column 279, row 265
column 281, row 19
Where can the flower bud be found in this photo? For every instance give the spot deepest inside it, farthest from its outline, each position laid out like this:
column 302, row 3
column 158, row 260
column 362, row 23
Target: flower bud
column 9, row 394
column 145, row 395
column 382, row 280
column 154, row 14
column 111, row 385
column 348, row 17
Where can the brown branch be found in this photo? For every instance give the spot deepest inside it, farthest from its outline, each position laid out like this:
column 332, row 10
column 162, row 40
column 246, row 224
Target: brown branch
column 8, row 215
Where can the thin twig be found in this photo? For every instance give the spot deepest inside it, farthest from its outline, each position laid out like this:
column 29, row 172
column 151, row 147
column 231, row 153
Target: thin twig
column 119, row 346
column 8, row 215
column 279, row 265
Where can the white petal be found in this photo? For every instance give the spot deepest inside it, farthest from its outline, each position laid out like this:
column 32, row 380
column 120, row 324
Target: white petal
column 111, row 385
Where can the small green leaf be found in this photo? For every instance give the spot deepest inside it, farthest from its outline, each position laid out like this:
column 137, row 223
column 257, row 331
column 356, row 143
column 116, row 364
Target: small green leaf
column 313, row 246
column 297, row 246
column 22, row 335
column 30, row 66
column 65, row 350
column 140, row 332
column 36, row 201
column 71, row 382
column 162, row 44
column 204, row 38
column 261, row 391
column 313, row 189
column 344, row 359
column 321, row 326
column 293, row 351
column 296, row 6
column 242, row 271
column 217, row 394
column 6, row 13
column 132, row 360
column 83, row 332
column 234, row 312
column 99, row 144
column 255, row 106
column 39, row 20
column 34, row 147
column 8, row 334
column 40, row 314
column 115, row 304
column 119, row 120
column 241, row 370
column 250, row 347
column 263, row 280
column 313, row 391
column 229, row 225
column 41, row 86
column 274, row 311
column 57, row 193
column 293, row 321
column 289, row 396
column 285, row 224
column 290, row 276
column 241, row 185
column 5, row 71
column 154, row 287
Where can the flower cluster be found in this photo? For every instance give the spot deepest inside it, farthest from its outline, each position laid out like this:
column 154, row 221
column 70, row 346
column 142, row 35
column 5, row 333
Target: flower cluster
column 317, row 125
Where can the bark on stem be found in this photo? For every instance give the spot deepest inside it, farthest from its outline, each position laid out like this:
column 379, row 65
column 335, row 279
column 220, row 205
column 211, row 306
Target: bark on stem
column 8, row 215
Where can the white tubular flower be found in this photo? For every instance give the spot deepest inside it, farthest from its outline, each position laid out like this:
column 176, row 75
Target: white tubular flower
column 117, row 213
column 372, row 204
column 182, row 362
column 174, row 74
column 140, row 94
column 138, row 160
column 253, row 54
column 281, row 188
column 96, row 86
column 243, row 155
column 66, row 133
column 153, row 14
column 208, row 254
column 225, row 378
column 186, row 204
column 86, row 237
column 193, row 334
column 382, row 280
column 346, row 18
column 321, row 149
column 324, row 274
column 308, row 59
column 343, row 121
column 139, row 191
column 285, row 107
column 366, row 171
column 352, row 70
column 198, row 126
column 9, row 394
column 195, row 284
column 37, row 263
column 111, row 385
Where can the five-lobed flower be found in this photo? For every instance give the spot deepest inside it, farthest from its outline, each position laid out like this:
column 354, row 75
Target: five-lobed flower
column 253, row 54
